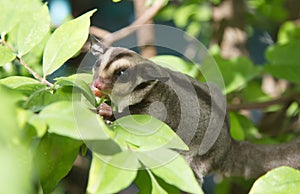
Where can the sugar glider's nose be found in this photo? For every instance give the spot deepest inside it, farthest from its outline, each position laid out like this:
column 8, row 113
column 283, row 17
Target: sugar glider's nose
column 102, row 84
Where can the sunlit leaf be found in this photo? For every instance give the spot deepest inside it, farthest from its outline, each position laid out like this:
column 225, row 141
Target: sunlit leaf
column 74, row 121
column 147, row 133
column 8, row 123
column 33, row 29
column 107, row 177
column 39, row 124
column 183, row 14
column 10, row 14
column 172, row 168
column 6, row 55
column 17, row 81
column 282, row 180
column 194, row 28
column 15, row 163
column 25, row 85
column 288, row 32
column 65, row 42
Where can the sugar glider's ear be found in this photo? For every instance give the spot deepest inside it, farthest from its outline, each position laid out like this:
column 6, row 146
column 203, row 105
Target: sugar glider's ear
column 97, row 47
column 153, row 72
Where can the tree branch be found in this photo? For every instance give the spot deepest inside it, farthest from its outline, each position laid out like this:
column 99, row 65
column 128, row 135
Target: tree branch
column 109, row 38
column 145, row 35
column 262, row 105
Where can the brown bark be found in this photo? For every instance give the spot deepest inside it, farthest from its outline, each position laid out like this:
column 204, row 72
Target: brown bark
column 228, row 28
column 145, row 34
column 109, row 38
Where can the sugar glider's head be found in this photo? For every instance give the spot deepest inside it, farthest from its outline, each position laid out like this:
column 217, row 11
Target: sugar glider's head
column 123, row 75
column 112, row 63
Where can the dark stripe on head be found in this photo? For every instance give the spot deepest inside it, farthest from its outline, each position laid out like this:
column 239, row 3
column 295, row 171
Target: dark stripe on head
column 116, row 56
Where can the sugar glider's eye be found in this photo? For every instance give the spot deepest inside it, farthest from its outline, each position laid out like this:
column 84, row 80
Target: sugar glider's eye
column 123, row 75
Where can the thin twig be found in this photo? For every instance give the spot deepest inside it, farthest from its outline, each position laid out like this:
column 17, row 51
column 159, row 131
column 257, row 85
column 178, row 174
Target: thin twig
column 35, row 75
column 22, row 62
column 4, row 42
column 100, row 33
column 109, row 38
column 262, row 105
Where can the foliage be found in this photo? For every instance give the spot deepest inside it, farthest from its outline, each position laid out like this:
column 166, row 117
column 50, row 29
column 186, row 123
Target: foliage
column 192, row 16
column 279, row 180
column 44, row 125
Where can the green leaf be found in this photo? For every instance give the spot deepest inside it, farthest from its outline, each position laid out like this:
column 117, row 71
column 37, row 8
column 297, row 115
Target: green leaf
column 55, row 156
column 203, row 13
column 281, row 180
column 176, row 64
column 167, row 187
column 41, row 98
column 194, row 28
column 156, row 188
column 10, row 14
column 242, row 128
column 288, row 32
column 183, row 14
column 17, row 81
column 284, row 61
column 146, row 132
column 73, row 120
column 15, row 164
column 236, row 129
column 79, row 81
column 288, row 72
column 172, row 168
column 253, row 93
column 103, row 147
column 16, row 177
column 25, row 85
column 103, row 176
column 143, row 182
column 35, row 55
column 6, row 55
column 13, row 11
column 8, row 123
column 33, row 28
column 39, row 125
column 65, row 42
column 236, row 72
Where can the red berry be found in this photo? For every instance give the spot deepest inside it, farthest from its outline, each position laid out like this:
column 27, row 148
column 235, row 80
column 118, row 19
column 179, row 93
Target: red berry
column 97, row 93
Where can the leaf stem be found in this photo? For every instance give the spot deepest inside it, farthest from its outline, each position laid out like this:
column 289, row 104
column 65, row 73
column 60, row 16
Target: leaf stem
column 4, row 42
column 35, row 75
column 22, row 62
